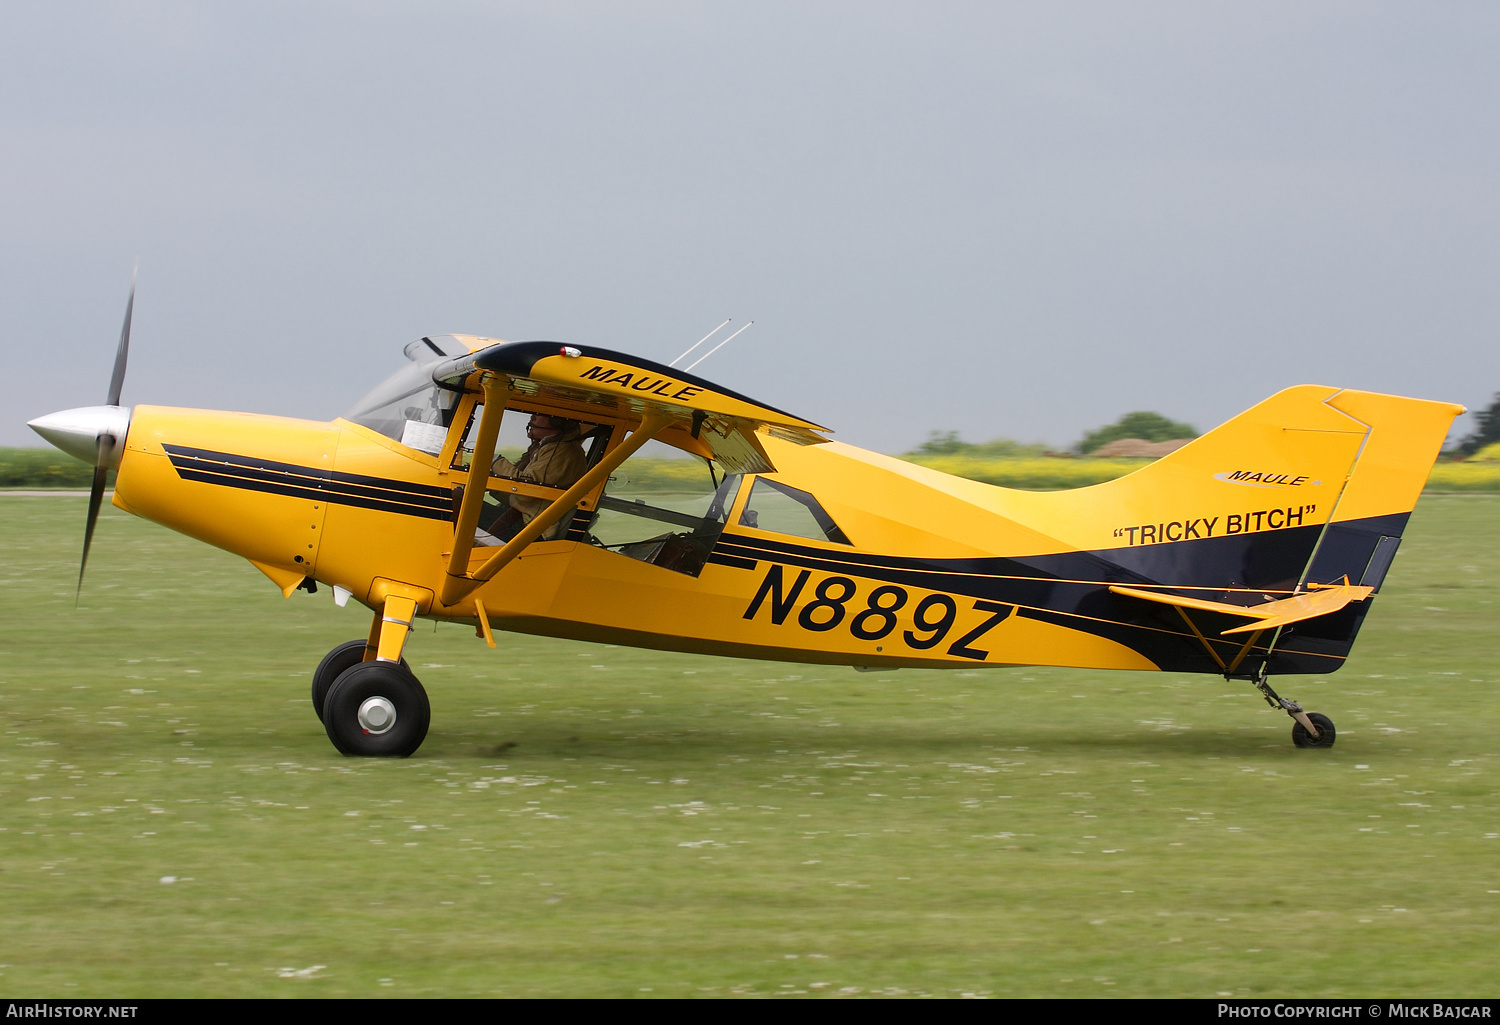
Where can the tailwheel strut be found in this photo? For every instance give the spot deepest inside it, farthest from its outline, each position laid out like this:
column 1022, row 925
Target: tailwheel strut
column 1309, row 729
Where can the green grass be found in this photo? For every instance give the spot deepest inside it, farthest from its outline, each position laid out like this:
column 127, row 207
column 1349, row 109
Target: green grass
column 586, row 820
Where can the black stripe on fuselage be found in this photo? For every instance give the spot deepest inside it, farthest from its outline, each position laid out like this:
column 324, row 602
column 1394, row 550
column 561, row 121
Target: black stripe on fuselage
column 270, row 476
column 330, row 485
column 1079, row 604
column 1071, row 589
column 718, row 558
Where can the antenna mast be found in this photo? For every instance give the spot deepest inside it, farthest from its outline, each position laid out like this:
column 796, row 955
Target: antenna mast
column 700, row 342
column 716, row 348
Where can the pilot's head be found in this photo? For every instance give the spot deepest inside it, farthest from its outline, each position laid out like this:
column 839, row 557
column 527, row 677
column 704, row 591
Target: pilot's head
column 543, row 427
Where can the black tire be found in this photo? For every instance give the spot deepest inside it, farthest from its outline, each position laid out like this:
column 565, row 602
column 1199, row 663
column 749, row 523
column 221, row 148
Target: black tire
column 345, row 656
column 1325, row 736
column 373, row 688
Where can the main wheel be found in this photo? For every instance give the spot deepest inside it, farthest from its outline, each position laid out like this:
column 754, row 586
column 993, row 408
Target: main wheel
column 345, row 656
column 1325, row 736
column 376, row 709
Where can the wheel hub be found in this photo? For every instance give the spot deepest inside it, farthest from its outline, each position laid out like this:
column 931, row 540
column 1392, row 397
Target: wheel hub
column 377, row 715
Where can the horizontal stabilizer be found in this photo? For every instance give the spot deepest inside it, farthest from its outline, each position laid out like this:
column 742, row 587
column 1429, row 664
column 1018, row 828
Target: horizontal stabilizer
column 1269, row 615
column 1304, row 606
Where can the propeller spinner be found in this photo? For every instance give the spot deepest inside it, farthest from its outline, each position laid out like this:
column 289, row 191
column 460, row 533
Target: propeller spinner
column 95, row 434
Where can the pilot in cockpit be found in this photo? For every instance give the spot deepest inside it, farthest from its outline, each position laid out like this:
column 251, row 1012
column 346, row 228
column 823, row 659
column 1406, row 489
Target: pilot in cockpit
column 555, row 458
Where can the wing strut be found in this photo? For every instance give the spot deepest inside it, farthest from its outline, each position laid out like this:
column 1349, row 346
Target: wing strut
column 473, row 501
column 458, row 585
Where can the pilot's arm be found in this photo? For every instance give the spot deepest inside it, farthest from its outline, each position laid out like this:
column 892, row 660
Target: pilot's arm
column 558, row 463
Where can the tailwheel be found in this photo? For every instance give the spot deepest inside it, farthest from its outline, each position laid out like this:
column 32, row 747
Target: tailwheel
column 376, row 709
column 345, row 656
column 1302, row 737
column 1309, row 729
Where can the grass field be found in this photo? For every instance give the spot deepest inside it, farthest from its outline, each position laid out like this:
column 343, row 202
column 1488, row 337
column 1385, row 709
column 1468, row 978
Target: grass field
column 586, row 820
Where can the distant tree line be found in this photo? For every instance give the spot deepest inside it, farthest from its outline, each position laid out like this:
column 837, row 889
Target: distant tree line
column 1486, row 429
column 44, row 468
column 948, row 443
column 1154, row 427
column 1143, row 425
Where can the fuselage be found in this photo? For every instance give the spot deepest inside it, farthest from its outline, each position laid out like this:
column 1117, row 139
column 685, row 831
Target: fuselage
column 342, row 505
column 894, row 565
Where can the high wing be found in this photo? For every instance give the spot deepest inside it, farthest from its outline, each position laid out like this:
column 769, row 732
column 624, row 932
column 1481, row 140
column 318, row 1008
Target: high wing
column 678, row 408
column 703, row 417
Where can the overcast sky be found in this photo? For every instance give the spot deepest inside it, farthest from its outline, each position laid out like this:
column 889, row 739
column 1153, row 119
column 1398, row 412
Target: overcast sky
column 1016, row 220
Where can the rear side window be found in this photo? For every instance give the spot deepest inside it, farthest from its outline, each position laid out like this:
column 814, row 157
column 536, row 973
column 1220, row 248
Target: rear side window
column 774, row 506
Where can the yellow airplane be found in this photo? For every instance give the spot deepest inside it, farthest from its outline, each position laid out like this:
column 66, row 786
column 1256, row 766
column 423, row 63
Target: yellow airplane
column 1253, row 550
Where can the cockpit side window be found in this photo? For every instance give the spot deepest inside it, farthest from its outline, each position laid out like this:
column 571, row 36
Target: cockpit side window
column 513, row 439
column 410, row 408
column 785, row 510
column 541, row 452
column 663, row 507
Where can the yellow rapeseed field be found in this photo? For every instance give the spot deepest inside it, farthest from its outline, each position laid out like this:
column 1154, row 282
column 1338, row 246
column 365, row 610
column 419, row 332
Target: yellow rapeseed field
column 1038, row 473
column 1470, row 476
column 1044, row 474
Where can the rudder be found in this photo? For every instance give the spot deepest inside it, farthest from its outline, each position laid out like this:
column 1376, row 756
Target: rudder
column 1311, row 486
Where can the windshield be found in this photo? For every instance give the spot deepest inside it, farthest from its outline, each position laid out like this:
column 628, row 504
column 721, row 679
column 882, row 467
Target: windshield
column 408, row 407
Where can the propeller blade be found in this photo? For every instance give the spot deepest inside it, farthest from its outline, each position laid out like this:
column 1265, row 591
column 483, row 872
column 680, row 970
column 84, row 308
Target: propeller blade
column 105, row 440
column 96, row 499
column 117, row 379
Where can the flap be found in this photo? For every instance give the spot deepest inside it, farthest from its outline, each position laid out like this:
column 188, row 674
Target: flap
column 725, row 421
column 1268, row 615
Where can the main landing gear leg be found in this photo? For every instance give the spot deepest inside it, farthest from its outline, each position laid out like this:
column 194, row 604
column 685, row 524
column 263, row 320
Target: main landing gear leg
column 346, row 656
column 391, row 628
column 1310, row 729
column 375, row 706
